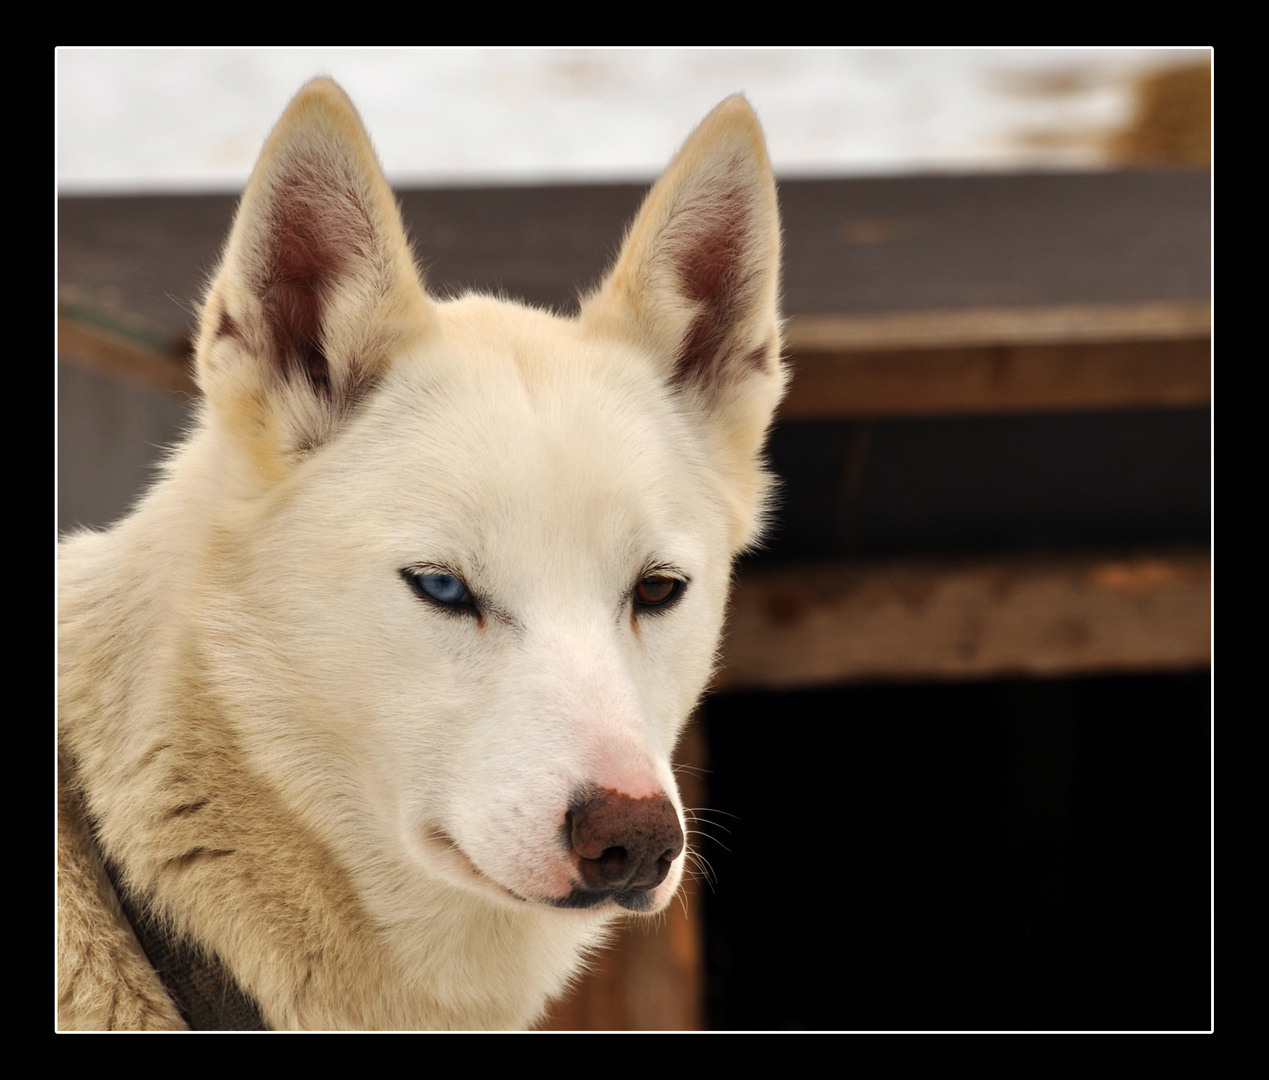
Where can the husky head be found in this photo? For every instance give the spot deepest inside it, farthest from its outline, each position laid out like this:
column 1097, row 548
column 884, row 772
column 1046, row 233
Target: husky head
column 467, row 570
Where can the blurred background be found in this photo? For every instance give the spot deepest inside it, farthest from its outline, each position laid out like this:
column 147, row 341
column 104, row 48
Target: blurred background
column 957, row 764
column 193, row 120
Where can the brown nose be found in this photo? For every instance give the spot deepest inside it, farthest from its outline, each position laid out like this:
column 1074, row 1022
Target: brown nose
column 623, row 845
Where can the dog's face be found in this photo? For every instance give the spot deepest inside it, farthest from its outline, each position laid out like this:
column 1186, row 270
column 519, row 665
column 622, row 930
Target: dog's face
column 488, row 547
column 504, row 581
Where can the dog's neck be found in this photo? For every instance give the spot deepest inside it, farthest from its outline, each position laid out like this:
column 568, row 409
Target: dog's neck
column 200, row 985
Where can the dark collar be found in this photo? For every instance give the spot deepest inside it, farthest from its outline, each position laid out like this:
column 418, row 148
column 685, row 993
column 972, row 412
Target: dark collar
column 204, row 990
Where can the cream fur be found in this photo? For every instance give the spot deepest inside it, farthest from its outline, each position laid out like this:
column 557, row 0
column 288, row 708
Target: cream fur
column 350, row 794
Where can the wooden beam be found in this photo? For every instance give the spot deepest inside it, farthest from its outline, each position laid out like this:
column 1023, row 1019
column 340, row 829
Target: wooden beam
column 1048, row 325
column 1074, row 357
column 1055, row 616
column 916, row 363
column 122, row 351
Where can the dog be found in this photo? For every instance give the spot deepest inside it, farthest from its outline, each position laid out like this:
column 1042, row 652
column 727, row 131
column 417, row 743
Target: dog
column 366, row 711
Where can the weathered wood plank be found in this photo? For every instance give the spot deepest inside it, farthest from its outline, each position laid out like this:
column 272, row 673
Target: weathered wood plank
column 1057, row 616
column 852, row 246
column 992, row 360
column 987, row 362
column 1035, row 325
column 1000, row 378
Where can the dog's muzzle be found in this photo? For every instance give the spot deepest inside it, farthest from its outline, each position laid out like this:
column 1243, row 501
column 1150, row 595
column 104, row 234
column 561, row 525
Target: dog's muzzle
column 623, row 847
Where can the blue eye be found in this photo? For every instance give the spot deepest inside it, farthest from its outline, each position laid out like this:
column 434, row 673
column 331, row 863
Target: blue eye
column 445, row 589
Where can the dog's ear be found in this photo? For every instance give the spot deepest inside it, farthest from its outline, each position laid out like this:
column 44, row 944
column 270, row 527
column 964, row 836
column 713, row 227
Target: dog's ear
column 317, row 289
column 697, row 285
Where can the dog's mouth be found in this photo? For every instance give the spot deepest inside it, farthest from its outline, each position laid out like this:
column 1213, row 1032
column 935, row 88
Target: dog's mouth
column 584, row 899
column 447, row 856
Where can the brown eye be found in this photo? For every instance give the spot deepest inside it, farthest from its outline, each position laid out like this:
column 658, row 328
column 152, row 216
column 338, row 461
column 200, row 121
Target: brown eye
column 657, row 590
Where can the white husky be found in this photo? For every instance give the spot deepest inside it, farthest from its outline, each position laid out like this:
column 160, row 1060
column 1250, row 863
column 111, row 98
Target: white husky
column 367, row 709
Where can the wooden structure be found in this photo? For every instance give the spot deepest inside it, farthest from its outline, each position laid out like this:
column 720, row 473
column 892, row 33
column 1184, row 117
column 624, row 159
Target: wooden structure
column 916, row 297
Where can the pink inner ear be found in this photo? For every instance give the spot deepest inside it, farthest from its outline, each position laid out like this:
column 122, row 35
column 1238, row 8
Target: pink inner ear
column 302, row 262
column 714, row 271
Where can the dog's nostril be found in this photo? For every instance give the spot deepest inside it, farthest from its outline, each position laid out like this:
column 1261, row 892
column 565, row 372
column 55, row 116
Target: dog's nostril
column 613, row 857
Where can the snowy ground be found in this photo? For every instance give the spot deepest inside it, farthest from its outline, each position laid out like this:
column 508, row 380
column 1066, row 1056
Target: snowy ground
column 166, row 120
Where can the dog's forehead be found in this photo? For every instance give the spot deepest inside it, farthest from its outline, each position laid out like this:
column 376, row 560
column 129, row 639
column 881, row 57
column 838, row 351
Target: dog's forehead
column 510, row 414
column 536, row 392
